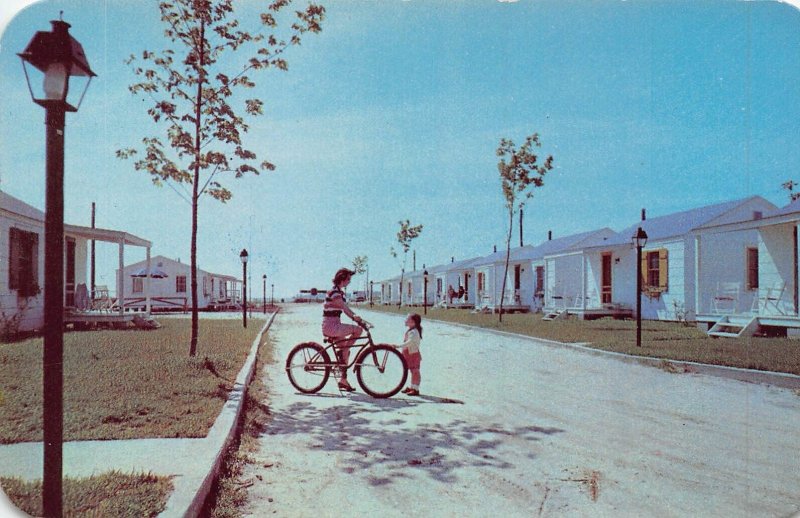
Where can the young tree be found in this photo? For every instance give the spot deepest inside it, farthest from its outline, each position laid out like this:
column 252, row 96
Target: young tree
column 405, row 235
column 360, row 264
column 520, row 173
column 789, row 185
column 191, row 87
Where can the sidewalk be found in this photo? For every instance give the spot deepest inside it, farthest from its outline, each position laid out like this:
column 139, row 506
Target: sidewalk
column 191, row 462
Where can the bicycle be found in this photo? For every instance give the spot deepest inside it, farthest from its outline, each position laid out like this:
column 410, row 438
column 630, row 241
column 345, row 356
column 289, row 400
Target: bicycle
column 380, row 368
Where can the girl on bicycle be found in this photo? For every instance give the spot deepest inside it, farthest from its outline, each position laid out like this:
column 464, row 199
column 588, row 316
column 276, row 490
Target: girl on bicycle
column 410, row 349
column 332, row 326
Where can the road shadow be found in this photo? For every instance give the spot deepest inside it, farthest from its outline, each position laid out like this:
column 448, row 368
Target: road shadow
column 394, row 402
column 380, row 433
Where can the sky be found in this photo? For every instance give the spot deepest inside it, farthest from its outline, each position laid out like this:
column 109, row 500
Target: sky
column 396, row 109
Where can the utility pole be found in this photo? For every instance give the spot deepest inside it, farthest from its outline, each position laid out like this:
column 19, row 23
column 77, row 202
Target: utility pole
column 92, row 260
column 520, row 227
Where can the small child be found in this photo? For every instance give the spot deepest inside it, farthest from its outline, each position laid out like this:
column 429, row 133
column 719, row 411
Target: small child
column 410, row 349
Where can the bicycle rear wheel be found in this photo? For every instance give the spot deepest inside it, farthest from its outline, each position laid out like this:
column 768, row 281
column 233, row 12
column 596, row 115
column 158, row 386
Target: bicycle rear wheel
column 381, row 370
column 308, row 367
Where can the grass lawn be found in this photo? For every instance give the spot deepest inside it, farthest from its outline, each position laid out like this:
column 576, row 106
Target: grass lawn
column 109, row 494
column 668, row 340
column 126, row 384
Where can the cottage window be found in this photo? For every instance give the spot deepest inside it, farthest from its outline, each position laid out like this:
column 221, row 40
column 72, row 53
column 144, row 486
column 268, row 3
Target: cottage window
column 517, row 275
column 655, row 272
column 138, row 285
column 180, row 284
column 752, row 268
column 205, row 286
column 23, row 267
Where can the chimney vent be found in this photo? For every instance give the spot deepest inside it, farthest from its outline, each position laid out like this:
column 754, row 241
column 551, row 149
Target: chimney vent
column 644, row 215
column 549, row 235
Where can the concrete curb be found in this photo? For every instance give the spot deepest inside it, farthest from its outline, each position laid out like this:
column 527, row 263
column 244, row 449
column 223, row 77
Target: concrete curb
column 191, row 491
column 778, row 379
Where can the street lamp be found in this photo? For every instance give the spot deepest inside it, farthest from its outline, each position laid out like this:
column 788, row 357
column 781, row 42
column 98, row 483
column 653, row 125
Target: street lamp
column 425, row 292
column 56, row 57
column 243, row 256
column 639, row 239
column 370, row 293
column 264, row 292
column 272, row 297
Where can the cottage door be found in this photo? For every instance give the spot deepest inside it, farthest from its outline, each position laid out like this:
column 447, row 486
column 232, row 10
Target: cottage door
column 605, row 282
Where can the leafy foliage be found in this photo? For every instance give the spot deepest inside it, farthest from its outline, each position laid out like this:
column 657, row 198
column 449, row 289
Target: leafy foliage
column 190, row 89
column 520, row 171
column 405, row 235
column 360, row 264
column 789, row 185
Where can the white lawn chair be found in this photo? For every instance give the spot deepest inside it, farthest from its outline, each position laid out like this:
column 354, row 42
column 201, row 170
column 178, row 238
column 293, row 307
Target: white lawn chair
column 768, row 300
column 726, row 300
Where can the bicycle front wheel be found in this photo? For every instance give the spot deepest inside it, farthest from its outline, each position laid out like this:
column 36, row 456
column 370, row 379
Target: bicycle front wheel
column 381, row 370
column 308, row 367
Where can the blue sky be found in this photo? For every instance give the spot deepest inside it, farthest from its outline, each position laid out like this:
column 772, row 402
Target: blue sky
column 394, row 111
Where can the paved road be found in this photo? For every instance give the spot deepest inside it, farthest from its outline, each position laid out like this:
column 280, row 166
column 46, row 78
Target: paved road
column 509, row 426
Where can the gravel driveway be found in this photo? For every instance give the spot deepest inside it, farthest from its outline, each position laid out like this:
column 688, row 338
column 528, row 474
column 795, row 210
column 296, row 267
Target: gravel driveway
column 508, row 426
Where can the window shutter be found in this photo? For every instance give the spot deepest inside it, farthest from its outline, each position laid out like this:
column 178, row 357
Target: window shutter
column 663, row 270
column 644, row 270
column 34, row 280
column 13, row 258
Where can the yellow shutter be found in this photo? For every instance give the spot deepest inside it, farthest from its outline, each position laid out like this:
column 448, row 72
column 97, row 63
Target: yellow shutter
column 663, row 270
column 644, row 269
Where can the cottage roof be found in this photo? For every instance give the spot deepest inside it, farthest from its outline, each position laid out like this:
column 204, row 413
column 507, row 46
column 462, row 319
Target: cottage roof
column 19, row 207
column 792, row 208
column 104, row 234
column 676, row 224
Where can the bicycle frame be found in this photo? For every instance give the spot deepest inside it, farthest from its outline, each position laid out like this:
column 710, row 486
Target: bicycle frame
column 362, row 342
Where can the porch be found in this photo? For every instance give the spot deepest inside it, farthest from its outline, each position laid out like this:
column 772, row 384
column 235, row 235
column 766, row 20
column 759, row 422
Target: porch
column 97, row 304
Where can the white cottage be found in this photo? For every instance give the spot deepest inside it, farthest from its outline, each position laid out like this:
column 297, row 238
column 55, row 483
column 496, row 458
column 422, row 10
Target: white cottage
column 171, row 286
column 462, row 274
column 764, row 292
column 559, row 265
column 670, row 263
column 520, row 292
column 22, row 268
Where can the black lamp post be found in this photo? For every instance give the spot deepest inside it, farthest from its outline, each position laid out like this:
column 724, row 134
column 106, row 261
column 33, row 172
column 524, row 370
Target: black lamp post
column 272, row 297
column 639, row 240
column 264, row 292
column 56, row 56
column 243, row 256
column 370, row 293
column 425, row 292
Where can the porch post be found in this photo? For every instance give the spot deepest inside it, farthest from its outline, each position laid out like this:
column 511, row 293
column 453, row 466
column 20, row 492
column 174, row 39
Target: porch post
column 697, row 263
column 147, row 284
column 121, row 281
column 796, row 271
column 584, row 282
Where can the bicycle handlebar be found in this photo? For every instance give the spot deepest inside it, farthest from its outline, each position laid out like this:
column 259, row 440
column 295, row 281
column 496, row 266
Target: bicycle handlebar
column 365, row 325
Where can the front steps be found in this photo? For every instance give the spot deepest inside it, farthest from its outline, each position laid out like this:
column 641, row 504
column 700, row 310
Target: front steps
column 734, row 327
